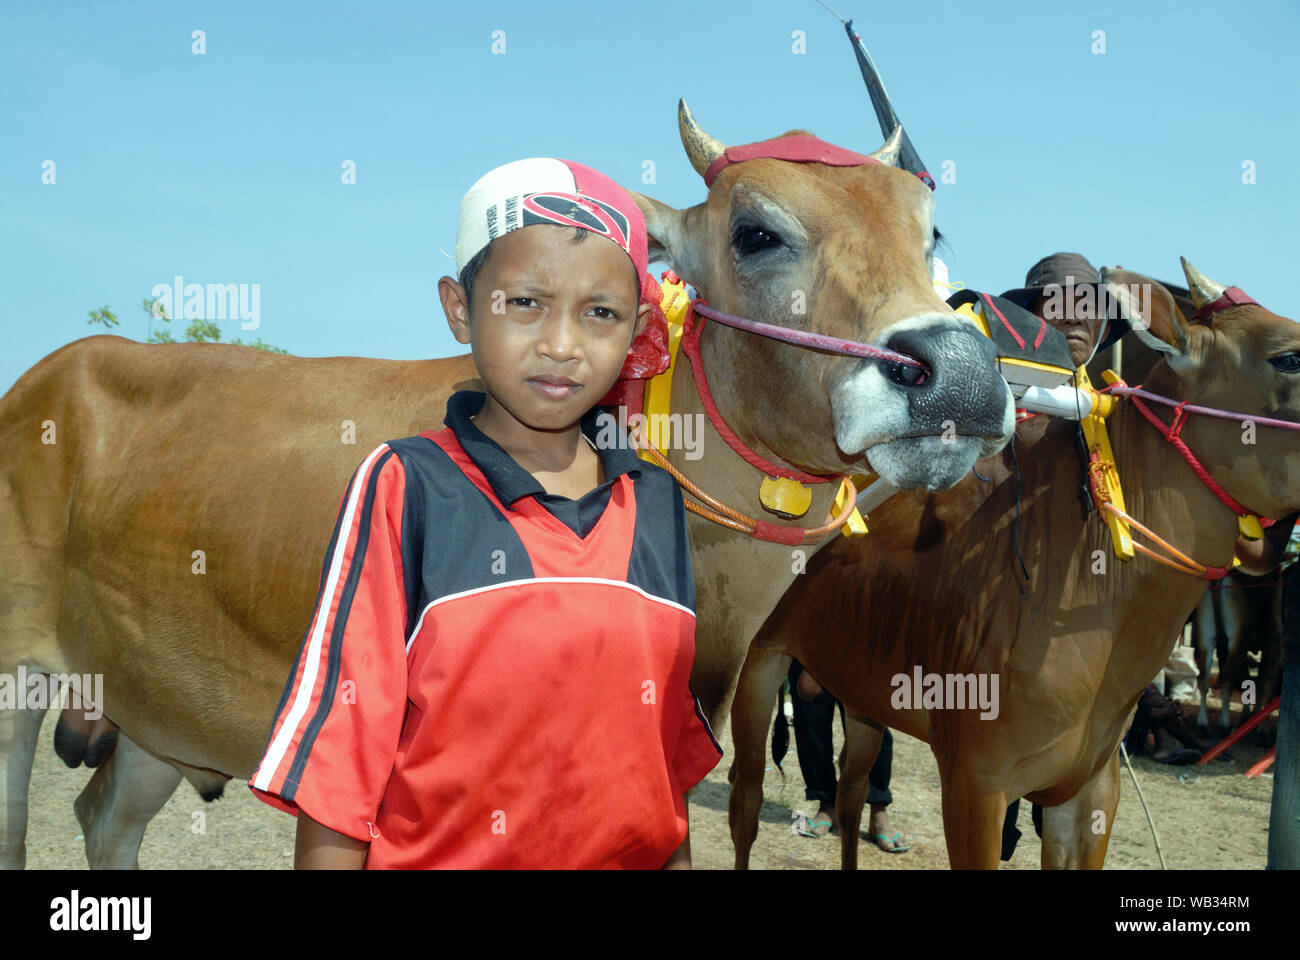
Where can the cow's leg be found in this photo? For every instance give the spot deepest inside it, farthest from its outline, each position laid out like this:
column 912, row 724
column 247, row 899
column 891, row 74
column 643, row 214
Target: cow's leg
column 1203, row 717
column 861, row 745
column 1203, row 645
column 1076, row 833
column 19, row 731
column 972, row 817
column 119, row 801
column 751, row 718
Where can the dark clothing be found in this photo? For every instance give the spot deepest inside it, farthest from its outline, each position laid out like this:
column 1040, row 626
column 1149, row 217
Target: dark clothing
column 1279, row 534
column 511, row 481
column 812, row 739
column 1011, row 833
column 1284, row 813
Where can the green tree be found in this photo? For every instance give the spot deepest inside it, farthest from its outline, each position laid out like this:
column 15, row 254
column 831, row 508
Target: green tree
column 103, row 315
column 199, row 331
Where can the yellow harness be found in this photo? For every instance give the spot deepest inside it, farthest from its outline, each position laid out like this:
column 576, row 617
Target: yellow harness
column 1101, row 462
column 778, row 494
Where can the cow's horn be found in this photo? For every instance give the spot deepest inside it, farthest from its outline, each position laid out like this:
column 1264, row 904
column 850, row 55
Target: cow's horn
column 701, row 148
column 1202, row 288
column 888, row 154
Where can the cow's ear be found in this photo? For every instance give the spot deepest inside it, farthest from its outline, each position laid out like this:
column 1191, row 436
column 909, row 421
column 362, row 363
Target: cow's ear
column 667, row 232
column 1150, row 309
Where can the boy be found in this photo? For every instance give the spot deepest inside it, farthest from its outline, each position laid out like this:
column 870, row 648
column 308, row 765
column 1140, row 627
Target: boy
column 496, row 674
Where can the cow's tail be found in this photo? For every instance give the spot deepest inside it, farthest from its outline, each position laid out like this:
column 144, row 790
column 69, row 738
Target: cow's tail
column 780, row 732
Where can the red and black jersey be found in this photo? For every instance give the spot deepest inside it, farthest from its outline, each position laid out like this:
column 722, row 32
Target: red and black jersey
column 495, row 676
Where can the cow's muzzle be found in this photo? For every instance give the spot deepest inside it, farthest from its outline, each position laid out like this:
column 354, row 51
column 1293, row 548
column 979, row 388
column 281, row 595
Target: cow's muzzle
column 926, row 432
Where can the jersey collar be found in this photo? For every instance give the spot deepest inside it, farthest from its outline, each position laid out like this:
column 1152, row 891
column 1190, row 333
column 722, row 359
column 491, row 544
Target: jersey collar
column 509, row 480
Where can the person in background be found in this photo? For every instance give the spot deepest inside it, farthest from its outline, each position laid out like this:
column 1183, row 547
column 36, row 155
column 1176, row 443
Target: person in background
column 814, row 717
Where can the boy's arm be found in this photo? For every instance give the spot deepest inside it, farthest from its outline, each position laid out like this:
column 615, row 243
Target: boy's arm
column 320, row 848
column 334, row 737
column 680, row 859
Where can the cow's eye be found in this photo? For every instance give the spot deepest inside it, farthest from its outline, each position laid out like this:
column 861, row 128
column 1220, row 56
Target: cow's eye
column 750, row 240
column 1287, row 362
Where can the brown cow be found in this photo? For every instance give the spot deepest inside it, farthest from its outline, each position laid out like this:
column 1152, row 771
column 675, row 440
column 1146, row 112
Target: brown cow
column 936, row 588
column 168, row 533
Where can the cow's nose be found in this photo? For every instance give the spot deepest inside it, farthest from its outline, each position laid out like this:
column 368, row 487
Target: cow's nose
column 964, row 384
column 905, row 375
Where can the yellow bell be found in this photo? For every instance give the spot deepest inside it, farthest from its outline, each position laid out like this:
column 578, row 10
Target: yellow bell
column 786, row 497
column 1250, row 527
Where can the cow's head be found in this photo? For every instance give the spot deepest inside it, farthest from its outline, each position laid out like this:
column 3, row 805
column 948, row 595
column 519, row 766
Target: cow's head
column 844, row 251
column 1245, row 359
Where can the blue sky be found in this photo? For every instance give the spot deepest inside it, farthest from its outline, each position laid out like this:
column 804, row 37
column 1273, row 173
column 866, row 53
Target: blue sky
column 226, row 167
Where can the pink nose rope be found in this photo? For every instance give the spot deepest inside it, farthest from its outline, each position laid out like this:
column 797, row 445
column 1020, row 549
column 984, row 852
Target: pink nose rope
column 1171, row 434
column 816, row 341
column 1186, row 408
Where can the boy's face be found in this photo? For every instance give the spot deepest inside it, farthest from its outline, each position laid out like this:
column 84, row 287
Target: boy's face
column 551, row 322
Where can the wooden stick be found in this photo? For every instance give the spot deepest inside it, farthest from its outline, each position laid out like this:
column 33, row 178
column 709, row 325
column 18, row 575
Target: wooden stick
column 1129, row 763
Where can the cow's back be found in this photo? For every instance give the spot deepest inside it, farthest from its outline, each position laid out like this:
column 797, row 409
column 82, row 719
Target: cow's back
column 177, row 524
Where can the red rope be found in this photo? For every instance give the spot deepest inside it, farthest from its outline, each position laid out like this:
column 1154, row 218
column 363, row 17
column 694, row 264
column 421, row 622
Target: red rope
column 1171, row 435
column 693, row 325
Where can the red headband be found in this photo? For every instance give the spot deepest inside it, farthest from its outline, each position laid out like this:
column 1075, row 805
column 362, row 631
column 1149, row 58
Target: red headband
column 1232, row 297
column 801, row 148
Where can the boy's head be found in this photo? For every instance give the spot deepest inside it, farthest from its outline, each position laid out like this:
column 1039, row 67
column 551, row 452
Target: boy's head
column 554, row 294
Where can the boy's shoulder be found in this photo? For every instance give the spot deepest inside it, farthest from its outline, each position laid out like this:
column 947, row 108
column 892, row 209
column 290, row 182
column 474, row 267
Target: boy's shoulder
column 422, row 457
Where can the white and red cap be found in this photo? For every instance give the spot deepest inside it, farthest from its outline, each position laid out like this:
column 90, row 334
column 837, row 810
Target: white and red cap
column 545, row 190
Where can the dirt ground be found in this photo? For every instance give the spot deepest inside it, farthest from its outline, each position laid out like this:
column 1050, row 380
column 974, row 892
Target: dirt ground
column 1208, row 817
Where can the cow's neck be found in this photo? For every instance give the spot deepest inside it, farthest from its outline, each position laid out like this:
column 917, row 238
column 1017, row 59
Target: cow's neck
column 739, row 579
column 722, row 472
column 1162, row 493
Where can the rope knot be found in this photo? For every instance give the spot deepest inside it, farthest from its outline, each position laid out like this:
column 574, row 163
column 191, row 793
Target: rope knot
column 1180, row 418
column 1096, row 471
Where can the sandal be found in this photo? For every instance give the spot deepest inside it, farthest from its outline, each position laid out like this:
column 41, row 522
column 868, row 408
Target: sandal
column 808, row 827
column 897, row 845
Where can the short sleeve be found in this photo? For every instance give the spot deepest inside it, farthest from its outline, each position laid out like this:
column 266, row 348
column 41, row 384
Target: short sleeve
column 336, row 730
column 698, row 751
